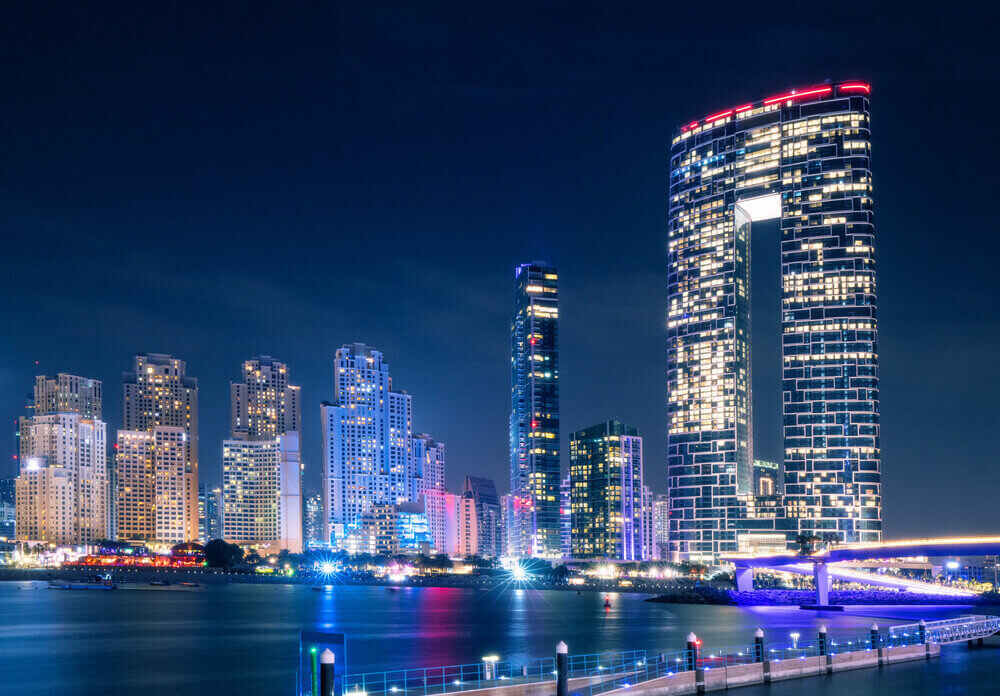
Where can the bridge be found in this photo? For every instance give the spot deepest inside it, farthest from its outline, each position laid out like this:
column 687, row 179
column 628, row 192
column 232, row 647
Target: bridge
column 822, row 564
column 961, row 628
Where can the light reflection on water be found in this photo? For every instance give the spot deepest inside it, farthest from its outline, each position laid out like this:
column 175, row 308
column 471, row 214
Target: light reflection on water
column 242, row 639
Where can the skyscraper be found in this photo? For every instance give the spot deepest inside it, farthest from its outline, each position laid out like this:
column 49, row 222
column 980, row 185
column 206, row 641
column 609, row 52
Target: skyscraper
column 534, row 415
column 152, row 485
column 487, row 502
column 261, row 462
column 264, row 405
column 66, row 393
column 61, row 490
column 210, row 513
column 607, row 505
column 367, row 442
column 427, row 484
column 261, row 503
column 661, row 525
column 158, row 394
column 802, row 158
column 314, row 521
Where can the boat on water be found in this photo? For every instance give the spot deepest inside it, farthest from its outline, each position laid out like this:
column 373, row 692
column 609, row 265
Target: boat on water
column 159, row 583
column 94, row 583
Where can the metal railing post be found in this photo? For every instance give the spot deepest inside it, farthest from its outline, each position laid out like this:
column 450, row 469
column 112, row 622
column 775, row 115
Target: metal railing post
column 562, row 669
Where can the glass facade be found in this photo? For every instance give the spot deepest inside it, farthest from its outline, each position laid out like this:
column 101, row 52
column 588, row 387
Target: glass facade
column 802, row 158
column 607, row 504
column 534, row 525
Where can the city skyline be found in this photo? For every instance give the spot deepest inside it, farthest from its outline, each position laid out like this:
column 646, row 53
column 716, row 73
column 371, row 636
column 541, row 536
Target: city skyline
column 435, row 296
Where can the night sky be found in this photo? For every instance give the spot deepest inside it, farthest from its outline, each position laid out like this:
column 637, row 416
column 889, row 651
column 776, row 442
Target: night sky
column 217, row 182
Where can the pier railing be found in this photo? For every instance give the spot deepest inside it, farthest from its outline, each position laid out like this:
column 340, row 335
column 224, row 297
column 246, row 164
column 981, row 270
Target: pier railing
column 599, row 673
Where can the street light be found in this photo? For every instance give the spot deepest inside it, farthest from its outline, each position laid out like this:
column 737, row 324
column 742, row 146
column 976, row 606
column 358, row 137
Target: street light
column 795, row 639
column 489, row 666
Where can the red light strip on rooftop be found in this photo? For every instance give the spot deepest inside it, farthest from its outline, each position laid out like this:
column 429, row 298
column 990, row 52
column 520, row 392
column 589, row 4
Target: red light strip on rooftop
column 798, row 95
column 716, row 117
column 846, row 87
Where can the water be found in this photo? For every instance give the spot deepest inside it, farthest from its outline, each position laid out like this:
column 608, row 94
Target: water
column 242, row 639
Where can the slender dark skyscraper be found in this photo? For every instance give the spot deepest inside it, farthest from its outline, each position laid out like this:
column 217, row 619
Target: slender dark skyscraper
column 533, row 522
column 802, row 158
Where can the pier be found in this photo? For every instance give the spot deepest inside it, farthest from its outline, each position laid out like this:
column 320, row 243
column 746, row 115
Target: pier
column 693, row 670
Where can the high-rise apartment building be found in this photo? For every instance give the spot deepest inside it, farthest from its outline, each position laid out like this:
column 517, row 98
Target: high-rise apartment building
column 487, row 503
column 801, row 158
column 765, row 477
column 210, row 512
column 62, row 486
column 8, row 512
column 661, row 525
column 427, row 484
column 152, row 477
column 264, row 405
column 260, row 493
column 650, row 551
column 367, row 442
column 261, row 462
column 313, row 522
column 607, row 503
column 156, row 395
column 66, row 393
column 534, row 416
column 61, row 489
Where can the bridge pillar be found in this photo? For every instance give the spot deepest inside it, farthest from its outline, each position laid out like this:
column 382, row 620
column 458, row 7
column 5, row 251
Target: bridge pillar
column 821, row 576
column 744, row 579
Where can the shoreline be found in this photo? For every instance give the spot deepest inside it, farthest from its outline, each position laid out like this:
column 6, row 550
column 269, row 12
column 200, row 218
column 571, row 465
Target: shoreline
column 687, row 592
column 219, row 577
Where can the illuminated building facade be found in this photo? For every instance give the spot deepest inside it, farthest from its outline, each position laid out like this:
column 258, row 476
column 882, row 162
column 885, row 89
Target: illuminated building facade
column 607, row 497
column 461, row 525
column 67, row 393
column 62, row 486
column 314, row 522
column 264, row 405
column 661, row 525
column 210, row 513
column 534, row 418
column 367, row 442
column 262, row 505
column 261, row 462
column 152, row 480
column 158, row 393
column 802, row 158
column 427, row 483
column 488, row 516
column 61, row 490
column 766, row 477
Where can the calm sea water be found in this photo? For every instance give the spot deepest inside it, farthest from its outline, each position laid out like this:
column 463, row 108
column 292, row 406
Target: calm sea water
column 243, row 639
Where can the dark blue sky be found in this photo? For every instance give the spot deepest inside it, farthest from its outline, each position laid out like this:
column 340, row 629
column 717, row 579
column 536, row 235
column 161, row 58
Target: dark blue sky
column 217, row 181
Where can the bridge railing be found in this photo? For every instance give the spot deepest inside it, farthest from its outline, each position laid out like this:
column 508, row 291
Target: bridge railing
column 952, row 630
